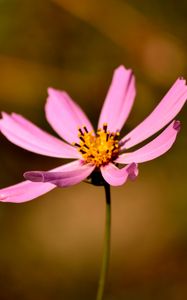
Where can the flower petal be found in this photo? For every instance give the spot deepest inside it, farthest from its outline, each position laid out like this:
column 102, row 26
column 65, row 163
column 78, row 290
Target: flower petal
column 27, row 190
column 155, row 148
column 115, row 176
column 165, row 111
column 71, row 174
column 65, row 116
column 24, row 191
column 25, row 134
column 119, row 100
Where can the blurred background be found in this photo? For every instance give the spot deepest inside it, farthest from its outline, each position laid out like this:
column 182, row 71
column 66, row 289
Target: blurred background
column 51, row 247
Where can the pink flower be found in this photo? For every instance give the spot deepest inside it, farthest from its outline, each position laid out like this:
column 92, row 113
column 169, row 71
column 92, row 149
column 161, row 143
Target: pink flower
column 92, row 151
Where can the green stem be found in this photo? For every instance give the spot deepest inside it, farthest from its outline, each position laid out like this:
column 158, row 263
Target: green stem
column 106, row 252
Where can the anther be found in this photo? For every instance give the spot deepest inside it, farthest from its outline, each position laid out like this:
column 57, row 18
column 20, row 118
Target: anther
column 75, row 144
column 81, row 138
column 80, row 130
column 82, row 151
column 105, row 127
column 86, row 130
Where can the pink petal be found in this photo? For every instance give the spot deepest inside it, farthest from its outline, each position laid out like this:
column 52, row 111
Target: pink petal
column 65, row 116
column 155, row 148
column 165, row 111
column 71, row 174
column 119, row 100
column 25, row 134
column 115, row 176
column 24, row 191
column 27, row 190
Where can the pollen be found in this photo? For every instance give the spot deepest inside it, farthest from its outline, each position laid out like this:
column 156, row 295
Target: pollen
column 98, row 149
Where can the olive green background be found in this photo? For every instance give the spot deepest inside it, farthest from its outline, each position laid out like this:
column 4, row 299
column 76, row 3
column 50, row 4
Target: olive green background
column 51, row 247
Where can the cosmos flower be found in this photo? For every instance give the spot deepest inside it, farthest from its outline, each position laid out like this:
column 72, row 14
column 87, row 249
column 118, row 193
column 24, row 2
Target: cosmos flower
column 100, row 152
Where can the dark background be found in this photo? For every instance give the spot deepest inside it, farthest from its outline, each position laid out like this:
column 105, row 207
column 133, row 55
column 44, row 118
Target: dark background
column 51, row 248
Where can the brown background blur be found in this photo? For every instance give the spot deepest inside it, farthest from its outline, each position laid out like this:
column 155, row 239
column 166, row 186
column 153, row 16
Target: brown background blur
column 51, row 248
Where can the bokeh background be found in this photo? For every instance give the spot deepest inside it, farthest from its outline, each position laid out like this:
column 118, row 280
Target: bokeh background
column 51, row 248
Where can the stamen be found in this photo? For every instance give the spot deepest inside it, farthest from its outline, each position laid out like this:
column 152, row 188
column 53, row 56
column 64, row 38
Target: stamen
column 86, row 130
column 117, row 135
column 105, row 127
column 77, row 145
column 98, row 149
column 82, row 151
column 80, row 130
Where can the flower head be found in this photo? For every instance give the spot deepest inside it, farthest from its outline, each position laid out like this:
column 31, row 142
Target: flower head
column 94, row 153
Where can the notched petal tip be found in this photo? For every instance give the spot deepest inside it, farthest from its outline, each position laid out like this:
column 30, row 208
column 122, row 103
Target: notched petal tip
column 133, row 171
column 177, row 125
column 122, row 69
column 34, row 176
column 54, row 93
column 50, row 90
column 3, row 197
column 3, row 115
column 182, row 79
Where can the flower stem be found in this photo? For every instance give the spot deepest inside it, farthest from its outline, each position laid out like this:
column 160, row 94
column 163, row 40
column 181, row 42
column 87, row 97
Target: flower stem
column 106, row 252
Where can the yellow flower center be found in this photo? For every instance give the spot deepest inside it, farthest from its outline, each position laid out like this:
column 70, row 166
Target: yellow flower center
column 98, row 149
